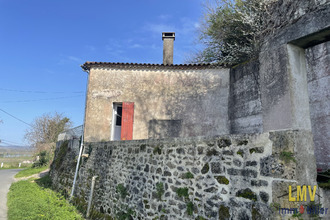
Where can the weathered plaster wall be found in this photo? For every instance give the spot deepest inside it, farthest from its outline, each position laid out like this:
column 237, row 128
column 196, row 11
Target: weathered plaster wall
column 283, row 73
column 198, row 97
column 282, row 65
column 244, row 99
column 318, row 65
column 237, row 176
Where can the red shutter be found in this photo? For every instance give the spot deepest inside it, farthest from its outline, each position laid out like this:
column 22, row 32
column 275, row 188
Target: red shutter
column 127, row 121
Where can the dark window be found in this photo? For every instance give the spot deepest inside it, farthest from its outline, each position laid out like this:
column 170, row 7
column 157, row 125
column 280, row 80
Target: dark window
column 118, row 116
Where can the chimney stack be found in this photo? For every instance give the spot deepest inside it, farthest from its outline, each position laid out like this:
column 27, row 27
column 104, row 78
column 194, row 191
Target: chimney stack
column 168, row 42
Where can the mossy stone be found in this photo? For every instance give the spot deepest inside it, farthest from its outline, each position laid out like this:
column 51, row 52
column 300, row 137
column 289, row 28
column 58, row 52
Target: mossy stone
column 222, row 180
column 224, row 213
column 205, row 168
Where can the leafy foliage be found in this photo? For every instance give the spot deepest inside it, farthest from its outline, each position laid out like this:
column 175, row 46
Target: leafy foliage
column 287, row 156
column 121, row 215
column 160, row 190
column 188, row 175
column 44, row 158
column 190, row 208
column 231, row 32
column 121, row 189
column 182, row 192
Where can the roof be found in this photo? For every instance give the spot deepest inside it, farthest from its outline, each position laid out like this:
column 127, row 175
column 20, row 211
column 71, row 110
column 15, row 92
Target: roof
column 88, row 65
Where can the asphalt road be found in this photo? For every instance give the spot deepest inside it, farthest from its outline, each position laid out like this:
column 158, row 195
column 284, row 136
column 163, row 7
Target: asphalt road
column 6, row 179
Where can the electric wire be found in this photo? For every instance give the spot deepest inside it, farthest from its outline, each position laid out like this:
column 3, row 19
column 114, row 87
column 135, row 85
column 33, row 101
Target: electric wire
column 8, row 141
column 31, row 91
column 37, row 100
column 15, row 117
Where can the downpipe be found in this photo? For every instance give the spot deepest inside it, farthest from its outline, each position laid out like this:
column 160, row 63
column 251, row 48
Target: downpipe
column 77, row 167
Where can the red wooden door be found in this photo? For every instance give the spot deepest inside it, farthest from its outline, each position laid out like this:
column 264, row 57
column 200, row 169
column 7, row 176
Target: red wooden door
column 127, row 121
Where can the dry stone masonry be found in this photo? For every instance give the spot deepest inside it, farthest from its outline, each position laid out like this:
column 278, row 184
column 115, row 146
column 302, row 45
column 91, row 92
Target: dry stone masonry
column 236, row 176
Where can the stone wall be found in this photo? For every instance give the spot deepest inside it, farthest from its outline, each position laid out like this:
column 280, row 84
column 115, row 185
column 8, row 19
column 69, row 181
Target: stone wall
column 238, row 176
column 283, row 13
column 245, row 114
column 62, row 169
column 318, row 75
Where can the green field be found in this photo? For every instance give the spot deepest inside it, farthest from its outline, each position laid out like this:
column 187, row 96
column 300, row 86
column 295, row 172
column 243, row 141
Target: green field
column 30, row 199
column 13, row 162
column 12, row 156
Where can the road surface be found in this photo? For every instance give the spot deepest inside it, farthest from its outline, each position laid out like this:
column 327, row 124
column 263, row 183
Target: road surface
column 6, row 179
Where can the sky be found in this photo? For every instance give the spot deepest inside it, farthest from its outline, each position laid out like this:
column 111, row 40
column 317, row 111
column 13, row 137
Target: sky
column 43, row 43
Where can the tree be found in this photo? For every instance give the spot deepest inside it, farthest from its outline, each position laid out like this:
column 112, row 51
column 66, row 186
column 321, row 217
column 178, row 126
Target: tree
column 45, row 130
column 231, row 31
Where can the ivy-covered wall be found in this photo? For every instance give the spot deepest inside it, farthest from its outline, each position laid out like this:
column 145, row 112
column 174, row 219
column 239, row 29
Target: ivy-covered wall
column 236, row 176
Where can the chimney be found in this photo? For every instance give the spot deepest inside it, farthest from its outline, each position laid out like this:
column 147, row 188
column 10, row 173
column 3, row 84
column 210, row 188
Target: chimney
column 168, row 42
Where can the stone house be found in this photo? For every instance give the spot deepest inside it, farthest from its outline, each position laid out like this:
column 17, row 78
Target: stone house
column 286, row 87
column 268, row 118
column 128, row 101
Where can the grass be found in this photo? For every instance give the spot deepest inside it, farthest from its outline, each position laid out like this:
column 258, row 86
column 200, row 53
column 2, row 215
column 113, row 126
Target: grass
column 30, row 171
column 188, row 175
column 29, row 200
column 160, row 190
column 325, row 185
column 287, row 156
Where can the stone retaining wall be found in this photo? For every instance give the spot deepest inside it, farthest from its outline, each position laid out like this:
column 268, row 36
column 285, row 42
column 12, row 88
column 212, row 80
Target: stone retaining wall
column 238, row 176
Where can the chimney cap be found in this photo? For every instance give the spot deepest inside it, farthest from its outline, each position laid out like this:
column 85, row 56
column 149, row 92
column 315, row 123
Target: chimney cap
column 168, row 35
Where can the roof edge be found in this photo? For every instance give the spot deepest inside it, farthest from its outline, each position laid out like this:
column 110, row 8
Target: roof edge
column 88, row 65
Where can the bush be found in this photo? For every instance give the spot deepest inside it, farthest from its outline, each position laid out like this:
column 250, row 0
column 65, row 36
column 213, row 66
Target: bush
column 44, row 158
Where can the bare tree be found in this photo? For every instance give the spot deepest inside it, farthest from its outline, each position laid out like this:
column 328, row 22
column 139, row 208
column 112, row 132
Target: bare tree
column 45, row 130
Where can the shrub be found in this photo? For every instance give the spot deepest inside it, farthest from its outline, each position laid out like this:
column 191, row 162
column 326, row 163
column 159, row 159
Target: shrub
column 44, row 158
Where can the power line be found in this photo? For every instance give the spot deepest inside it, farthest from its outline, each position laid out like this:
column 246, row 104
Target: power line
column 8, row 141
column 36, row 100
column 31, row 91
column 15, row 117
